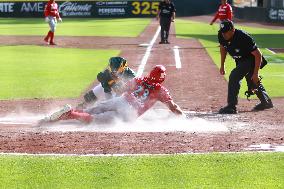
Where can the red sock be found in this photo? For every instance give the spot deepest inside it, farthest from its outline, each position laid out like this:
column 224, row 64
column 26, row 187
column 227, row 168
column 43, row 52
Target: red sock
column 81, row 116
column 47, row 36
column 51, row 37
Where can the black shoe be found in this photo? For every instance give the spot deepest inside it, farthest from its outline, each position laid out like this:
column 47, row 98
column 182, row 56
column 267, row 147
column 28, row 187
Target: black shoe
column 162, row 42
column 167, row 42
column 263, row 106
column 228, row 110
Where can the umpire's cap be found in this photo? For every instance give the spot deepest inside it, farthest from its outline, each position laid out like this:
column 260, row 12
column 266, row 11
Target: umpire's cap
column 226, row 25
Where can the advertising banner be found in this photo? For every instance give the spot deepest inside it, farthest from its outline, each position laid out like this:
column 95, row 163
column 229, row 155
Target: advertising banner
column 276, row 15
column 83, row 9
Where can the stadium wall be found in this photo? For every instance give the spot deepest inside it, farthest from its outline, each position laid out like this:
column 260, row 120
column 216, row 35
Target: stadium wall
column 266, row 11
column 107, row 8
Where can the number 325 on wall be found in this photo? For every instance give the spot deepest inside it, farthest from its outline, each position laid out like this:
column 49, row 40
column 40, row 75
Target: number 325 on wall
column 145, row 8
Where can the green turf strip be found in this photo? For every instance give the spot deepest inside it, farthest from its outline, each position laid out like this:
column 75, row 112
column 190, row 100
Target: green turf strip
column 252, row 170
column 265, row 38
column 127, row 27
column 44, row 72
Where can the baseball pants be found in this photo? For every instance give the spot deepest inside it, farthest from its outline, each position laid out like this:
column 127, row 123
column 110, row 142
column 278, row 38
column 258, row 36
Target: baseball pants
column 244, row 68
column 165, row 28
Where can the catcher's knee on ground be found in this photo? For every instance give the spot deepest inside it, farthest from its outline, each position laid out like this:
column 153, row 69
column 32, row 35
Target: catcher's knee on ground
column 90, row 97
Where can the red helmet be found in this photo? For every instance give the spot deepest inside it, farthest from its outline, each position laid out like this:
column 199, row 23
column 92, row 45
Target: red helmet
column 158, row 74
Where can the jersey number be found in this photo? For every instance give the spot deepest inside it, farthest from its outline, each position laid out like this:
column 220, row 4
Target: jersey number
column 145, row 94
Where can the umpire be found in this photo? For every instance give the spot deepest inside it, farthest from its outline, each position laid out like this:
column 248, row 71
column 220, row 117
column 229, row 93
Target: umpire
column 166, row 15
column 241, row 46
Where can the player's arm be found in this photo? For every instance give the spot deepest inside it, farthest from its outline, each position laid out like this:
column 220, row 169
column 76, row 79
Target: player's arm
column 129, row 73
column 174, row 107
column 229, row 13
column 174, row 12
column 104, row 79
column 47, row 10
column 173, row 16
column 223, row 53
column 166, row 98
column 215, row 18
column 159, row 11
column 258, row 59
column 58, row 16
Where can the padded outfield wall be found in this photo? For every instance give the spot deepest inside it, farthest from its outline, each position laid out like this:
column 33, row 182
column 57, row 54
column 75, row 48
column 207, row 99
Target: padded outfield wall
column 107, row 8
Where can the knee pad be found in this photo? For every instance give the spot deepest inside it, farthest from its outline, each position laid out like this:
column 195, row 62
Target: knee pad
column 90, row 97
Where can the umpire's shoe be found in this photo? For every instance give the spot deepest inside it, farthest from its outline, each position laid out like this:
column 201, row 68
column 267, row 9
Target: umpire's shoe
column 229, row 109
column 263, row 106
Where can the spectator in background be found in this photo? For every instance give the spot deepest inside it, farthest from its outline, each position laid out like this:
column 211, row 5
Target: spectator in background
column 224, row 12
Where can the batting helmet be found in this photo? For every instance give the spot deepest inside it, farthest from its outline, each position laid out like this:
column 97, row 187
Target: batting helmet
column 158, row 74
column 117, row 64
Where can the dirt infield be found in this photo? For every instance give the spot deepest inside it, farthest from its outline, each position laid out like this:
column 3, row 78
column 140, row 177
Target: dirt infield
column 197, row 87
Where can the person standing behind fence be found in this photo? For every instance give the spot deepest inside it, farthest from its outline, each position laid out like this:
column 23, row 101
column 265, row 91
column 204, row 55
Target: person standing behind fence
column 166, row 15
column 224, row 12
column 51, row 14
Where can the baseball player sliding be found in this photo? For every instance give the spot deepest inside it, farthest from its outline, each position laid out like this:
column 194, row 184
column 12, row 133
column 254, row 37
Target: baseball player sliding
column 111, row 80
column 51, row 16
column 139, row 95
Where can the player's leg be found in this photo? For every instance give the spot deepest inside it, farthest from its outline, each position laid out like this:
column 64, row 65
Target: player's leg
column 167, row 32
column 234, row 85
column 259, row 90
column 67, row 113
column 52, row 24
column 103, row 106
column 163, row 30
column 46, row 39
column 92, row 96
column 126, row 111
column 118, row 105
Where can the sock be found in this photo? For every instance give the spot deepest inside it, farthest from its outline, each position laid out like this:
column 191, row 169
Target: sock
column 48, row 35
column 81, row 116
column 51, row 37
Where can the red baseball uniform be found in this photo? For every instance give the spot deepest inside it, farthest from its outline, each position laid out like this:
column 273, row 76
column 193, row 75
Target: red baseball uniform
column 142, row 94
column 51, row 9
column 224, row 13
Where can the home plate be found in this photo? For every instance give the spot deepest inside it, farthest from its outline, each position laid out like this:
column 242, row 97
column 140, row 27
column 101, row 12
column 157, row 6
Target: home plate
column 144, row 45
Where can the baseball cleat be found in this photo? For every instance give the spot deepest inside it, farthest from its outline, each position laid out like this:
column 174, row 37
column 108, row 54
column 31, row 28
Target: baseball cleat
column 228, row 110
column 57, row 115
column 263, row 106
column 52, row 43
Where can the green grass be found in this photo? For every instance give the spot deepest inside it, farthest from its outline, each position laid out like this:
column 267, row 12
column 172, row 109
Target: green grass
column 265, row 38
column 252, row 170
column 44, row 72
column 127, row 27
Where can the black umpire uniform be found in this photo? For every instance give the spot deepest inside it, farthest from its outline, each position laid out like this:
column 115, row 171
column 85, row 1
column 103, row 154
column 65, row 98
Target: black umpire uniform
column 240, row 47
column 166, row 15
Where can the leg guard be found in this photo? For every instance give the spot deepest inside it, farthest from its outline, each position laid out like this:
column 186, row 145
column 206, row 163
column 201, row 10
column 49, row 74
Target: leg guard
column 90, row 97
column 262, row 94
